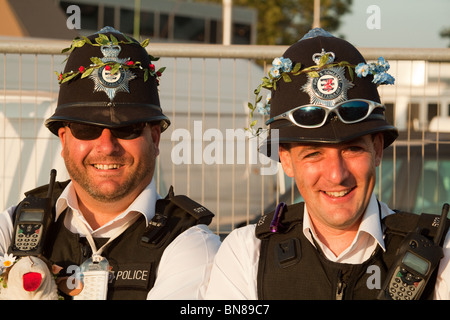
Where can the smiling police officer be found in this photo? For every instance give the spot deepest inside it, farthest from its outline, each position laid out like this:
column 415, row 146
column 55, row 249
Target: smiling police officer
column 332, row 131
column 110, row 222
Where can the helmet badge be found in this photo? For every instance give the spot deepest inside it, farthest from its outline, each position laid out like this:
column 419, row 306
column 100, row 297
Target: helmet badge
column 108, row 78
column 329, row 85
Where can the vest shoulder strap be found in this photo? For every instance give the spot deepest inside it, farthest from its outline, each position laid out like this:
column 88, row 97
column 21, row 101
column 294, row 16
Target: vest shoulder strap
column 290, row 216
column 402, row 223
column 173, row 215
column 41, row 192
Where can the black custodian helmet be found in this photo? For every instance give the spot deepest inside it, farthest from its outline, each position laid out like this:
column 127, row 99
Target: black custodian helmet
column 109, row 80
column 322, row 73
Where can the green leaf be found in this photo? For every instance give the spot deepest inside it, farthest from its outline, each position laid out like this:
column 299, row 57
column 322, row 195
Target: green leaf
column 161, row 70
column 286, row 77
column 152, row 58
column 350, row 71
column 97, row 61
column 145, row 43
column 102, row 39
column 115, row 68
column 87, row 72
column 296, row 67
column 145, row 75
column 114, row 40
column 78, row 43
column 250, row 106
column 324, row 59
column 253, row 123
column 73, row 75
column 86, row 39
column 314, row 74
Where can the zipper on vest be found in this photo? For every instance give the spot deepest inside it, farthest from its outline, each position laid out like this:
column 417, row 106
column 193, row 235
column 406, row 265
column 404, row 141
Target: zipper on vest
column 340, row 287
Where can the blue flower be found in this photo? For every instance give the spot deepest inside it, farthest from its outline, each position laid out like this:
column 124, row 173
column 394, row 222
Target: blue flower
column 274, row 72
column 264, row 107
column 383, row 78
column 286, row 64
column 383, row 64
column 362, row 70
column 377, row 69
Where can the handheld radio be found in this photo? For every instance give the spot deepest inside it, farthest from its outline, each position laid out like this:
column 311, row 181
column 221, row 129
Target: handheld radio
column 418, row 256
column 33, row 218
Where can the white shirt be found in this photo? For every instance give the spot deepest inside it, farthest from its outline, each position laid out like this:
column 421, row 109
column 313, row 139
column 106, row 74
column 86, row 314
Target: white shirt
column 235, row 269
column 185, row 265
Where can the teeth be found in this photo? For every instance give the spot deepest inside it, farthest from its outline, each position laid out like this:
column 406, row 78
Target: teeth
column 106, row 166
column 337, row 194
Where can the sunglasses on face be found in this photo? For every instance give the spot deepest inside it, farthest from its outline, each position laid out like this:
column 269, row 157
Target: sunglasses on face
column 83, row 131
column 314, row 116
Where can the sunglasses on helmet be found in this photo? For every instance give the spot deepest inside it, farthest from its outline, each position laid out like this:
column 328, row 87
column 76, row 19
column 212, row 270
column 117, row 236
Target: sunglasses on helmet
column 83, row 131
column 315, row 116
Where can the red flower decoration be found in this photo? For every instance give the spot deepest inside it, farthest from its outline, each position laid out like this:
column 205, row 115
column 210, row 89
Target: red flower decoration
column 107, row 67
column 81, row 69
column 152, row 66
column 31, row 281
column 129, row 63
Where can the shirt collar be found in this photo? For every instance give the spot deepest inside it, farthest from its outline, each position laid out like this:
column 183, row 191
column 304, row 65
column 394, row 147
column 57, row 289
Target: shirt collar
column 370, row 224
column 144, row 203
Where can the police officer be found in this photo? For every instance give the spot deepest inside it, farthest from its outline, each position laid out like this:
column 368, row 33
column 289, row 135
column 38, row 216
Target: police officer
column 332, row 131
column 109, row 217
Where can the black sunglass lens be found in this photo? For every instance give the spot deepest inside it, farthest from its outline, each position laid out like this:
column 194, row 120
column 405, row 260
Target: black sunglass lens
column 89, row 132
column 309, row 116
column 128, row 132
column 353, row 110
column 85, row 131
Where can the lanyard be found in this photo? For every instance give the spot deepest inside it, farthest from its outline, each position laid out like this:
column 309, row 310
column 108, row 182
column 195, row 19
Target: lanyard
column 96, row 253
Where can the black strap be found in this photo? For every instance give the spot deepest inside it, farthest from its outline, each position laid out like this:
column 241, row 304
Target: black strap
column 179, row 211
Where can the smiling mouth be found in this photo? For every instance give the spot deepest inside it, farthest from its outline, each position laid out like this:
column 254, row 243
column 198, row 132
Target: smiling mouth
column 107, row 166
column 338, row 194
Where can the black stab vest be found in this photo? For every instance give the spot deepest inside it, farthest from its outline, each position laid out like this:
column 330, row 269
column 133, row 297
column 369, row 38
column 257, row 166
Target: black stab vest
column 135, row 254
column 291, row 268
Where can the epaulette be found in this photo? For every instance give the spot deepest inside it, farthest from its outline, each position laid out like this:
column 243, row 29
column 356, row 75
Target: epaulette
column 174, row 211
column 281, row 221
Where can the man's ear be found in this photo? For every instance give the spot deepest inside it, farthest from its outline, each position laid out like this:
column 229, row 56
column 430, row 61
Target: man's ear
column 286, row 161
column 156, row 136
column 62, row 136
column 378, row 143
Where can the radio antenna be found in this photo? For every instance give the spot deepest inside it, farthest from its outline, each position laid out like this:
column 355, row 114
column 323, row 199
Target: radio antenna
column 52, row 183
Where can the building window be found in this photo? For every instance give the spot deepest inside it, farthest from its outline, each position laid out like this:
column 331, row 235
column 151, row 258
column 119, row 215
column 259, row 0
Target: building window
column 241, row 33
column 187, row 28
column 108, row 17
column 432, row 111
column 127, row 21
column 147, row 25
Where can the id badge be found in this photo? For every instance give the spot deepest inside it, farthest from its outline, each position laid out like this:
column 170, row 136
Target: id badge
column 94, row 274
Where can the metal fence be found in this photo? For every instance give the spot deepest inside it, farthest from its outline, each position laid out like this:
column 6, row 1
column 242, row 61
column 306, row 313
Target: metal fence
column 204, row 91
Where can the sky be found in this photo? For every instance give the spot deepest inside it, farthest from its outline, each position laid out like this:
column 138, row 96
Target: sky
column 397, row 23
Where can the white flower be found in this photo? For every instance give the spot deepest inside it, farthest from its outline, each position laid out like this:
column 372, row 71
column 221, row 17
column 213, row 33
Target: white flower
column 276, row 63
column 7, row 260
